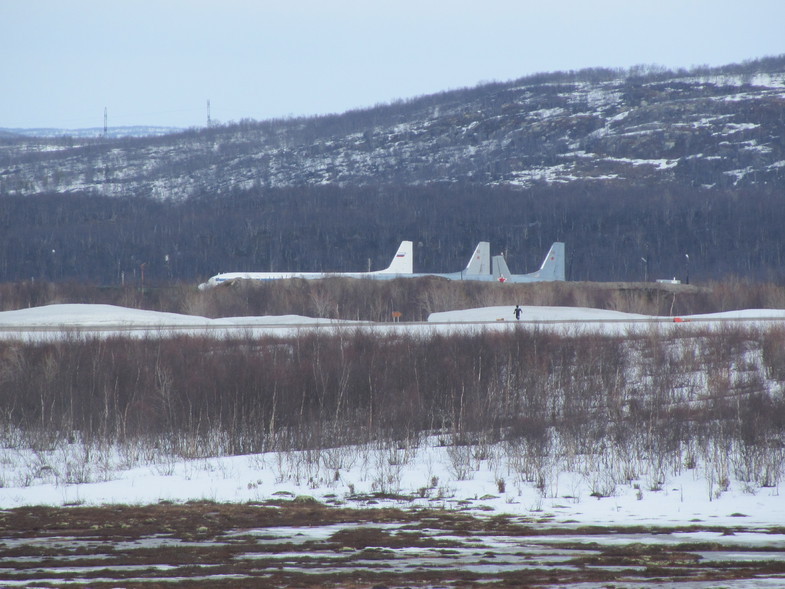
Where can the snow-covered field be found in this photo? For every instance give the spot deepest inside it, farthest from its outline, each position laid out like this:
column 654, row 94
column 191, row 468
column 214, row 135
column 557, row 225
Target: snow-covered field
column 430, row 473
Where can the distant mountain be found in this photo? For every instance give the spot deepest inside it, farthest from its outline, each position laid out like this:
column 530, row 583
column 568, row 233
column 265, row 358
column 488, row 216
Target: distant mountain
column 713, row 127
column 91, row 132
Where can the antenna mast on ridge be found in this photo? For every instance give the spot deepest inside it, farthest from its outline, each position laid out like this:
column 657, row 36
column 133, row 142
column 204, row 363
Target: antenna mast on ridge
column 208, row 113
column 106, row 119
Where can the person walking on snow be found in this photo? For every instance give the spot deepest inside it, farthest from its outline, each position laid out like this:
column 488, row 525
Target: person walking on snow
column 518, row 312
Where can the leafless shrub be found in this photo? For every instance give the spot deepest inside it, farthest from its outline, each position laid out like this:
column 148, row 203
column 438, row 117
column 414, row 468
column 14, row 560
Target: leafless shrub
column 602, row 484
column 460, row 461
column 773, row 353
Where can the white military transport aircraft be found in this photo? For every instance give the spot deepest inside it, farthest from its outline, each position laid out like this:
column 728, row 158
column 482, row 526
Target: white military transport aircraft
column 401, row 265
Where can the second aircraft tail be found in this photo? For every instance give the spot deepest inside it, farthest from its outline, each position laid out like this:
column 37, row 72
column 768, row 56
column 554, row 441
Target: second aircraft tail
column 480, row 262
column 553, row 266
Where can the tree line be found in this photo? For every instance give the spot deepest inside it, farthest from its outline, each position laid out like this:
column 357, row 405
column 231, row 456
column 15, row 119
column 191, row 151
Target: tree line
column 612, row 234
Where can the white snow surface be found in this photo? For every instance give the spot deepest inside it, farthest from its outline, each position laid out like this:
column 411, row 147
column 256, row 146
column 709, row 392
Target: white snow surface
column 534, row 313
column 69, row 320
column 79, row 315
column 30, row 477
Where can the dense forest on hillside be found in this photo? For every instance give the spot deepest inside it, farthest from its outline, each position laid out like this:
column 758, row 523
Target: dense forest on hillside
column 609, row 232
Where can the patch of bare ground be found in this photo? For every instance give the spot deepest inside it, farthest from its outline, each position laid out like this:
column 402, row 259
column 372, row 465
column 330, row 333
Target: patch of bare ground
column 302, row 543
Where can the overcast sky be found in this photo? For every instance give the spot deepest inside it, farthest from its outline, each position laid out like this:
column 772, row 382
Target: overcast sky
column 157, row 62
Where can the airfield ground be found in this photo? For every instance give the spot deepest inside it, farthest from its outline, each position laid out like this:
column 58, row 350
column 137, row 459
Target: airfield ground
column 298, row 542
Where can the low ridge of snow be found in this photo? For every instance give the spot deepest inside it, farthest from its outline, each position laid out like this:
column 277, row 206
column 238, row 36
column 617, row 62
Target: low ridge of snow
column 505, row 313
column 83, row 315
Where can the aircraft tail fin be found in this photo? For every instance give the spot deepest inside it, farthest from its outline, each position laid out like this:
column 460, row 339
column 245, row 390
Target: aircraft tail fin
column 403, row 262
column 553, row 265
column 500, row 270
column 480, row 262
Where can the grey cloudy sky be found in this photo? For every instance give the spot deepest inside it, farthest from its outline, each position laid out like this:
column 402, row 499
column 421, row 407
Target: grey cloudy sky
column 157, row 62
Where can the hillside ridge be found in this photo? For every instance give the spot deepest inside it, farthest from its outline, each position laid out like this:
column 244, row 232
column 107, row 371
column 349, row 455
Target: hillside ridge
column 712, row 127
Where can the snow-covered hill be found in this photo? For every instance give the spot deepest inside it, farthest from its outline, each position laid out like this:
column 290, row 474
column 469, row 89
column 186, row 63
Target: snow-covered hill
column 719, row 127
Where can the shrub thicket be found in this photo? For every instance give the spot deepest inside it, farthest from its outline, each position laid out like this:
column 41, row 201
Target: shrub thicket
column 629, row 400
